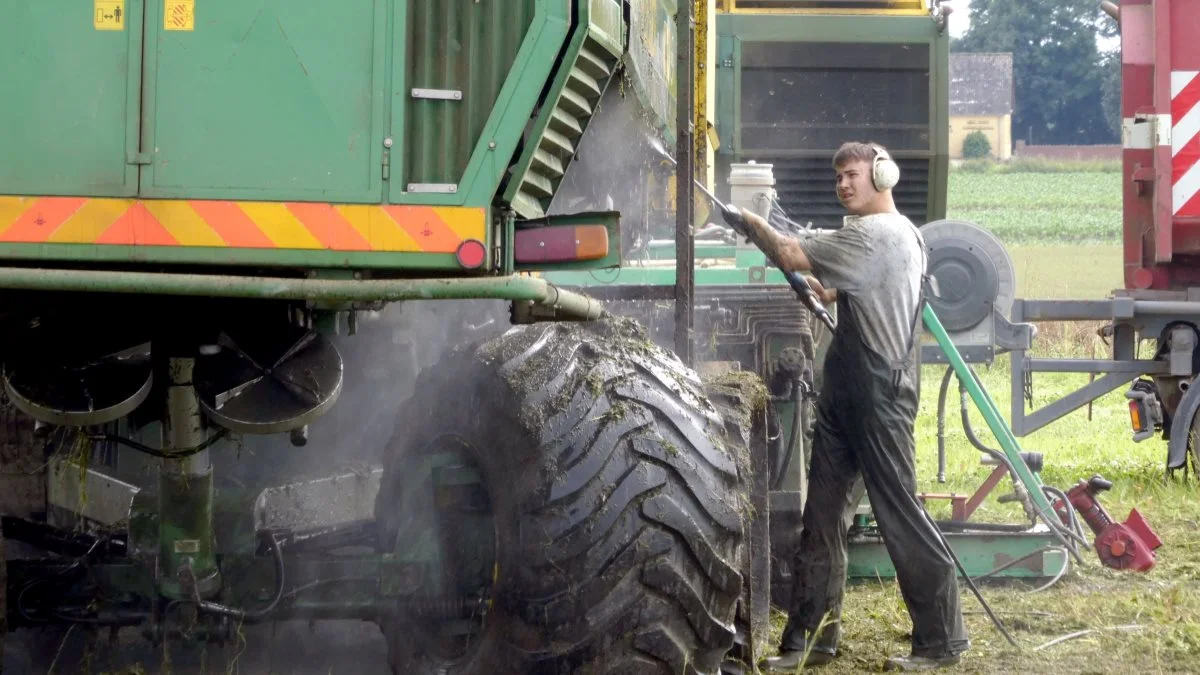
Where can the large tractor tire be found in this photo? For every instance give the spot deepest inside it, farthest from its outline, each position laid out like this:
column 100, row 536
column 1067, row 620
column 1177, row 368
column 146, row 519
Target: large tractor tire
column 615, row 507
column 3, row 597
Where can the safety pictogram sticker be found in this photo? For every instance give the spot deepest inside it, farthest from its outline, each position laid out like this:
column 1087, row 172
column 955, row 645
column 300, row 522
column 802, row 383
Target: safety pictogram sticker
column 108, row 14
column 179, row 14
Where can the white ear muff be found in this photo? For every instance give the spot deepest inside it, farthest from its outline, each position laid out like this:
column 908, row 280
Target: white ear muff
column 885, row 173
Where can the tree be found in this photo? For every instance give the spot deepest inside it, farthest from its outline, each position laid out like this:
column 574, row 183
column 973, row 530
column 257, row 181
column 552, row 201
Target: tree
column 1058, row 71
column 976, row 146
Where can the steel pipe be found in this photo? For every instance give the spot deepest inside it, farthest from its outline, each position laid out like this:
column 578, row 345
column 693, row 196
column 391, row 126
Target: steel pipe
column 285, row 288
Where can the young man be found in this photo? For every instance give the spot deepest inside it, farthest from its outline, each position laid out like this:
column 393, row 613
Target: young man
column 872, row 268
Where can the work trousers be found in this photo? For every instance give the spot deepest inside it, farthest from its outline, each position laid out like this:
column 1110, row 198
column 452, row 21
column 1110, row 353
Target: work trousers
column 864, row 426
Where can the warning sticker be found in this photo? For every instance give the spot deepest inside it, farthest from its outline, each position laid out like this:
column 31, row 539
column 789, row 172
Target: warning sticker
column 108, row 14
column 179, row 14
column 187, row 545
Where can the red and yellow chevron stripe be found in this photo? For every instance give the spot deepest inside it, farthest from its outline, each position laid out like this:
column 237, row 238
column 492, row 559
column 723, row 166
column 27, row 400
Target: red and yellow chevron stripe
column 278, row 225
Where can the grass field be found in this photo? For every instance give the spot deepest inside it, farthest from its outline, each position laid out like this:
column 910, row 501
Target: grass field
column 1045, row 207
column 1062, row 231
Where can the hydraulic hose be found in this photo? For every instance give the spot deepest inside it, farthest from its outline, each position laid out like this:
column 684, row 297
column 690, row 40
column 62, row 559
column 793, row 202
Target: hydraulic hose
column 794, row 436
column 964, row 411
column 961, row 570
column 943, row 392
column 1068, row 536
column 257, row 614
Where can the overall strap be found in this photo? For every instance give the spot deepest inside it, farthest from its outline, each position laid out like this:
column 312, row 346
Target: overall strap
column 912, row 331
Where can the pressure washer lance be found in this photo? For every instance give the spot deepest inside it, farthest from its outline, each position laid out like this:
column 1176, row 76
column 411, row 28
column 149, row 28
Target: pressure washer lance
column 737, row 220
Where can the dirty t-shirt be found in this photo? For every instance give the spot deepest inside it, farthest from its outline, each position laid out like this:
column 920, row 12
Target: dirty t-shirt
column 877, row 261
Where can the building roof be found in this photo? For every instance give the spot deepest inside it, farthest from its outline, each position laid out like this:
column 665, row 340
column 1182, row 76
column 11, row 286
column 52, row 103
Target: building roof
column 981, row 83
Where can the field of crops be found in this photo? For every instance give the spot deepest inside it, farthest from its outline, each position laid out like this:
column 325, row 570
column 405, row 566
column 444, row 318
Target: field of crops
column 1040, row 207
column 1062, row 231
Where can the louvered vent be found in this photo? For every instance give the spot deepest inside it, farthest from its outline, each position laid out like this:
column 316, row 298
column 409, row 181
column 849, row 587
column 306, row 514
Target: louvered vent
column 581, row 80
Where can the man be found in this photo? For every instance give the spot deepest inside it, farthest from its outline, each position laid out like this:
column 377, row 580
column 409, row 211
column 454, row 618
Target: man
column 873, row 269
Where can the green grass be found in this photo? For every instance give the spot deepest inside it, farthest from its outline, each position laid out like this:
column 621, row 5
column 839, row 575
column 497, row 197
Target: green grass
column 1038, row 165
column 1042, row 218
column 1039, row 207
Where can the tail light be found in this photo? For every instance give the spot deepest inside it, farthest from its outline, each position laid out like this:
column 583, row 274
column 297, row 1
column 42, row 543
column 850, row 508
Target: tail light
column 1145, row 410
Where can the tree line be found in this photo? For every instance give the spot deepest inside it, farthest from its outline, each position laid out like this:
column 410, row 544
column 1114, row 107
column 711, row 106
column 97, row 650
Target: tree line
column 1067, row 91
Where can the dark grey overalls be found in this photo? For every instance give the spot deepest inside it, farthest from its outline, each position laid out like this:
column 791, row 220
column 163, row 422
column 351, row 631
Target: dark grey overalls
column 864, row 424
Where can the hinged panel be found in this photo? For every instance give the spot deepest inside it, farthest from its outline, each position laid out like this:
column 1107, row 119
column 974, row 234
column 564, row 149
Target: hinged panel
column 69, row 91
column 267, row 99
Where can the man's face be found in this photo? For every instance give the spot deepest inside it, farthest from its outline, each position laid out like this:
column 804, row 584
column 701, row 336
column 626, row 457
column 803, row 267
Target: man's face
column 855, row 190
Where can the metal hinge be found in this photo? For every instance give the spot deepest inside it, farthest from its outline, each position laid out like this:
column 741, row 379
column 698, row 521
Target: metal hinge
column 387, row 158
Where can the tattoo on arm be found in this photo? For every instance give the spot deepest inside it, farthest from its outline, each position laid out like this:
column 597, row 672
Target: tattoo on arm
column 778, row 246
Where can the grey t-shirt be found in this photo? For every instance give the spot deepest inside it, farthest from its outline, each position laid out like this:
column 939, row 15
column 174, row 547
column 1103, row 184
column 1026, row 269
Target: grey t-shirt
column 878, row 261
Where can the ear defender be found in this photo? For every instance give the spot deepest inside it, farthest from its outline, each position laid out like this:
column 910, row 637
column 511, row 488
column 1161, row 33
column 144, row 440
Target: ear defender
column 885, row 173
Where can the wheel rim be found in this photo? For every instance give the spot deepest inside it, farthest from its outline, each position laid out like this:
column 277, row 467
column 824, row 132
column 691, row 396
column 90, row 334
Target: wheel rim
column 458, row 544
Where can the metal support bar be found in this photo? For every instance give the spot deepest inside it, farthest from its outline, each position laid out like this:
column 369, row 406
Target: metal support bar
column 1098, row 366
column 685, row 253
column 1069, row 403
column 991, row 414
column 187, row 562
column 286, row 288
column 1113, row 308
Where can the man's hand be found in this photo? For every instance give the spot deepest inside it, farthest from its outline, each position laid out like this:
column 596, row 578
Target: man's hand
column 828, row 296
column 783, row 250
column 735, row 218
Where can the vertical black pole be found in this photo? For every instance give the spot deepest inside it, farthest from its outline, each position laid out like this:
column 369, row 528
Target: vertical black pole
column 685, row 253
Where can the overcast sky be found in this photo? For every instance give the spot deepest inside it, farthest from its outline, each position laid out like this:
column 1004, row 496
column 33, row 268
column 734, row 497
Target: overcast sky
column 961, row 18
column 960, row 21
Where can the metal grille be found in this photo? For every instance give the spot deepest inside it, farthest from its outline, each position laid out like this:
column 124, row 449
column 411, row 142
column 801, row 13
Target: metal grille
column 815, row 96
column 806, row 189
column 464, row 46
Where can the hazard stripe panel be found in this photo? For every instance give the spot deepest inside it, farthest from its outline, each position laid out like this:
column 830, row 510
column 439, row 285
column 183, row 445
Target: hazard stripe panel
column 277, row 225
column 1185, row 142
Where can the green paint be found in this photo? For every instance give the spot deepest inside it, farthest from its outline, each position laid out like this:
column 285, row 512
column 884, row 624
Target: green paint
column 664, row 275
column 70, row 98
column 584, row 73
column 438, row 135
column 204, row 255
column 991, row 414
column 185, row 535
column 520, row 288
column 737, row 30
column 264, row 102
column 979, row 553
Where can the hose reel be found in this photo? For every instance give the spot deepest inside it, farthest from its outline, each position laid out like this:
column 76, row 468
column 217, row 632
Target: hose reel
column 974, row 292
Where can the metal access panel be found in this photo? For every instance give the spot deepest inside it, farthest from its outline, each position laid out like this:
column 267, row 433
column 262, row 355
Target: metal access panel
column 466, row 78
column 69, row 77
column 1160, row 107
column 265, row 99
column 791, row 88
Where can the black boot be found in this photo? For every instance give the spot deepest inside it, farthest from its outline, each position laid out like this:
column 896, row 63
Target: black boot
column 789, row 660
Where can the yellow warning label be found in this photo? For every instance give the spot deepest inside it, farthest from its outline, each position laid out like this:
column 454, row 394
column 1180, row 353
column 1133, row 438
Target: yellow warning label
column 108, row 14
column 179, row 14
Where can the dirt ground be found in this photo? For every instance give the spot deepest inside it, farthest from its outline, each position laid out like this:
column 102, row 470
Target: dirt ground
column 321, row 648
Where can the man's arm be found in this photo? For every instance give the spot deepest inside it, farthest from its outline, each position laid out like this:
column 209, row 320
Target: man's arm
column 777, row 246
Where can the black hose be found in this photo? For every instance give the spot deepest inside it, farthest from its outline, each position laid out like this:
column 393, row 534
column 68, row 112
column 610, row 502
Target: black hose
column 943, row 392
column 794, row 436
column 1073, row 521
column 971, row 584
column 253, row 615
column 966, row 422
